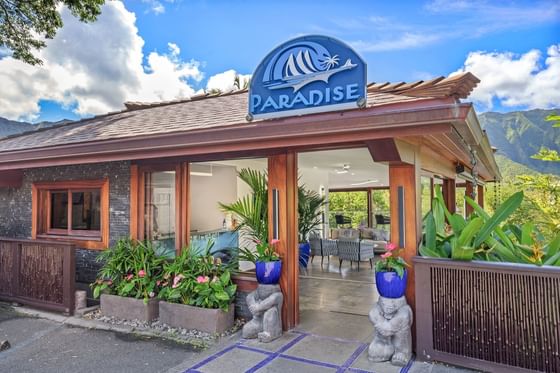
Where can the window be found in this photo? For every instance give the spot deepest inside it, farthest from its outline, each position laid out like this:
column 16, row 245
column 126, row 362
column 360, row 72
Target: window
column 75, row 211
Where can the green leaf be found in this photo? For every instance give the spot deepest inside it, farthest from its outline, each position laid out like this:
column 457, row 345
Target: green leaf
column 502, row 213
column 430, row 231
column 222, row 295
column 554, row 246
column 96, row 292
column 225, row 278
column 526, row 233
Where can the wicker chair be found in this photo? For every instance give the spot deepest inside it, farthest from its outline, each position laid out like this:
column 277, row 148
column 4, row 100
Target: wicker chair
column 322, row 247
column 355, row 251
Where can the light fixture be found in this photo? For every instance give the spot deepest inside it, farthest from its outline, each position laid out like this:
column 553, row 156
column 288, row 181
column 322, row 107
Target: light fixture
column 344, row 169
column 365, row 182
column 200, row 170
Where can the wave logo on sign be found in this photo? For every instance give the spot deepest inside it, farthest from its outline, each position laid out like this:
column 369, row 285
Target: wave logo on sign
column 302, row 64
column 309, row 74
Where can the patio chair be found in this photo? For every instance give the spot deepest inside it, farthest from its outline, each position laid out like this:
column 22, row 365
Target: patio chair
column 328, row 247
column 342, row 220
column 355, row 251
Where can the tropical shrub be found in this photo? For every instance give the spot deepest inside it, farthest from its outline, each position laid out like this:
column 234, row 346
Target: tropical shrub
column 264, row 252
column 197, row 280
column 391, row 261
column 486, row 237
column 131, row 269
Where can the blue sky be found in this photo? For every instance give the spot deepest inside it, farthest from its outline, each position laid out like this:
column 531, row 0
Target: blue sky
column 400, row 40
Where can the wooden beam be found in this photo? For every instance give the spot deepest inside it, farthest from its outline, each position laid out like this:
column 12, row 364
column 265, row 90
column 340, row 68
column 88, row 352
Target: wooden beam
column 403, row 181
column 133, row 202
column 185, row 207
column 383, row 150
column 480, row 195
column 449, row 196
column 469, row 189
column 282, row 177
column 11, row 178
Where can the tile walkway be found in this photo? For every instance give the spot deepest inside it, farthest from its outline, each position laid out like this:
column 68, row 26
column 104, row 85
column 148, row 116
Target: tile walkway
column 295, row 352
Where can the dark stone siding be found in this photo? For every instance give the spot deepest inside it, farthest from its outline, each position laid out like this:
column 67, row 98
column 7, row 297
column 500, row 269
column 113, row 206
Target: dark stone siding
column 241, row 308
column 15, row 206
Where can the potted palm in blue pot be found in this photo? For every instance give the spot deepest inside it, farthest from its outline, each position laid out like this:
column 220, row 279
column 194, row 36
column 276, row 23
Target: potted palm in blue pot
column 268, row 265
column 309, row 218
column 390, row 273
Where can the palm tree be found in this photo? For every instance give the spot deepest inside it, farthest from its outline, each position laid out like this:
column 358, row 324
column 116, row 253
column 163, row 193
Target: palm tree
column 309, row 211
column 252, row 209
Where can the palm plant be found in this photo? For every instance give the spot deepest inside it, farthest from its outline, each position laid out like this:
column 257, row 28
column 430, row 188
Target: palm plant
column 309, row 211
column 252, row 209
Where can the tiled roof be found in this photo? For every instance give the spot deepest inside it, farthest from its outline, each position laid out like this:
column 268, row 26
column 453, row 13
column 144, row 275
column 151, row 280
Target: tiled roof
column 211, row 111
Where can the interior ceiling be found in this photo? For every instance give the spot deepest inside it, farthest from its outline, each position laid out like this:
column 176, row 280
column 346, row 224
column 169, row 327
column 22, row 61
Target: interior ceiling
column 361, row 168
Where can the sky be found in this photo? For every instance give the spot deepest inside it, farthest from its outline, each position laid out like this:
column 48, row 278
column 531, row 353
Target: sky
column 154, row 50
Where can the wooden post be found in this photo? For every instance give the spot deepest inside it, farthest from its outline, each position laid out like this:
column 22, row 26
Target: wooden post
column 369, row 208
column 469, row 189
column 403, row 186
column 134, row 201
column 282, row 178
column 185, row 205
column 481, row 195
column 449, row 194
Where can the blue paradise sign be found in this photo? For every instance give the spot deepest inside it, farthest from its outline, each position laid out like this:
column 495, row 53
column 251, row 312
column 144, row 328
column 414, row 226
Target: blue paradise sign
column 308, row 74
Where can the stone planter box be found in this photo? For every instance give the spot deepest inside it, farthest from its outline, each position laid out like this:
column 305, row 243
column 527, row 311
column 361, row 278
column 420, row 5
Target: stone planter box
column 129, row 308
column 189, row 317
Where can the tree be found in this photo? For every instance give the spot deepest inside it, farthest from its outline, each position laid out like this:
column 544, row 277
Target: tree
column 25, row 24
column 546, row 154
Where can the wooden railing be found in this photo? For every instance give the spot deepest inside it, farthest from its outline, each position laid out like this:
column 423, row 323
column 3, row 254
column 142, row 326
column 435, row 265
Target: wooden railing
column 496, row 317
column 38, row 273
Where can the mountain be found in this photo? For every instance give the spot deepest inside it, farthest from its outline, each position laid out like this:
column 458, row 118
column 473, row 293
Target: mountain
column 520, row 134
column 12, row 127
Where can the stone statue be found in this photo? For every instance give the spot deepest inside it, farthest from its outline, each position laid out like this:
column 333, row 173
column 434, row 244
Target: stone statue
column 265, row 304
column 392, row 340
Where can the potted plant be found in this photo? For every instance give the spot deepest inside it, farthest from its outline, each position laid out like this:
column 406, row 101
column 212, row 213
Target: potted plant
column 197, row 293
column 128, row 281
column 309, row 217
column 390, row 273
column 267, row 262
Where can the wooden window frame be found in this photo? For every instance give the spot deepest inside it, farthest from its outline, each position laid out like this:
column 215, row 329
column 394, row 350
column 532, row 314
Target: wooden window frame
column 182, row 195
column 41, row 211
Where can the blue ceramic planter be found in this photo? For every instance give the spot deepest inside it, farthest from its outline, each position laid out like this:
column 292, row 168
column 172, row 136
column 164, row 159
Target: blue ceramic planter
column 268, row 272
column 390, row 285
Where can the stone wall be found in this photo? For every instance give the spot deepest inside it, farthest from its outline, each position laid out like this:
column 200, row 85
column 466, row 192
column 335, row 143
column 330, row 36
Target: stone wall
column 15, row 206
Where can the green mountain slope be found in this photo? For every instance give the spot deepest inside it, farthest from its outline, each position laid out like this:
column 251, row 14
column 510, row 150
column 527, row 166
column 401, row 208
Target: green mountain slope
column 520, row 134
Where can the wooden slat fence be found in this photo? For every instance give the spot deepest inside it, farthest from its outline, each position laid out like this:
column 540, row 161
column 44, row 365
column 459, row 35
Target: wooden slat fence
column 38, row 273
column 496, row 317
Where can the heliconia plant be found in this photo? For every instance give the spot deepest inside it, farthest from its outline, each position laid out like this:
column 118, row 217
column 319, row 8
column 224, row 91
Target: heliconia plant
column 485, row 237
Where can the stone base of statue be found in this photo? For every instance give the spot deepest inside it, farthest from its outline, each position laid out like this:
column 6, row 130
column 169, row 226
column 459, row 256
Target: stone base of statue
column 392, row 338
column 265, row 304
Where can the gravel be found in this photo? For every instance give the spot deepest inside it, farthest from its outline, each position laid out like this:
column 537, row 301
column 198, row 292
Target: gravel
column 158, row 328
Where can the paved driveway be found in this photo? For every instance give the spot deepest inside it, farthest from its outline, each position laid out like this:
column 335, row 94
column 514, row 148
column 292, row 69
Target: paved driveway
column 40, row 345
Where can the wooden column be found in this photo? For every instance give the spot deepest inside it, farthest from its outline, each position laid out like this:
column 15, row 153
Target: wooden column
column 369, row 208
column 403, row 186
column 185, row 205
column 469, row 189
column 134, row 201
column 282, row 177
column 449, row 196
column 480, row 195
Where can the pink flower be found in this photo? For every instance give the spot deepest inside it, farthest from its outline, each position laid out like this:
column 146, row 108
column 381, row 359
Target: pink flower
column 386, row 255
column 141, row 273
column 202, row 279
column 257, row 241
column 129, row 277
column 158, row 282
column 176, row 280
column 275, row 241
column 391, row 246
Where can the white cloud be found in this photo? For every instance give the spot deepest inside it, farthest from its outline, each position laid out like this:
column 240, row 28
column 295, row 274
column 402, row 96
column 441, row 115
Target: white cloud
column 405, row 41
column 95, row 67
column 516, row 80
column 155, row 6
column 225, row 81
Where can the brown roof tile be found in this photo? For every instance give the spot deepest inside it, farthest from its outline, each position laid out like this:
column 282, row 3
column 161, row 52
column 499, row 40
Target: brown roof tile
column 210, row 111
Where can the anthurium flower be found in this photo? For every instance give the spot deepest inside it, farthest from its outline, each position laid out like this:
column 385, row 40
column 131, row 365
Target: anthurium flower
column 202, row 279
column 129, row 277
column 386, row 255
column 141, row 273
column 391, row 246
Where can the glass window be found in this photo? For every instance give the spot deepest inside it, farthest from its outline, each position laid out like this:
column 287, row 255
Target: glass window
column 59, row 210
column 86, row 210
column 159, row 210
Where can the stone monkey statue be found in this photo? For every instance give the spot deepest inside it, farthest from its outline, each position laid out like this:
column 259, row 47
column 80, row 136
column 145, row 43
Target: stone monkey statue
column 265, row 304
column 392, row 340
